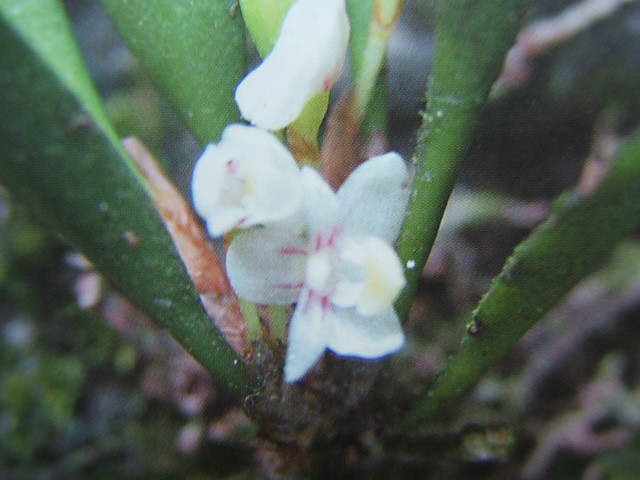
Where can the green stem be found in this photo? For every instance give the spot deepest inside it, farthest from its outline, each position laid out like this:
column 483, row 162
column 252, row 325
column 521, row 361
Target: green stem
column 383, row 20
column 472, row 39
column 279, row 315
column 570, row 244
column 251, row 320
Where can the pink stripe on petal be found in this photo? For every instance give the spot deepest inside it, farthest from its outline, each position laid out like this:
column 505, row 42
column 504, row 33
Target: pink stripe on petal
column 310, row 297
column 232, row 167
column 289, row 286
column 290, row 250
column 326, row 304
column 332, row 238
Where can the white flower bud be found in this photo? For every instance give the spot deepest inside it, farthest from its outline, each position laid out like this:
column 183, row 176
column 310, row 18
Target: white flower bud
column 307, row 58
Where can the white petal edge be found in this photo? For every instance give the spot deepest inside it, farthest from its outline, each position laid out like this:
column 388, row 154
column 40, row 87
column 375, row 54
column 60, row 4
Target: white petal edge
column 277, row 106
column 224, row 220
column 375, row 196
column 255, row 140
column 267, row 265
column 320, row 204
column 307, row 58
column 307, row 338
column 366, row 337
column 205, row 183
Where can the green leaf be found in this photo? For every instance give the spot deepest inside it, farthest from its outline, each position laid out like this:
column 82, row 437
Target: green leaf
column 370, row 58
column 360, row 13
column 571, row 243
column 193, row 50
column 77, row 179
column 472, row 39
column 263, row 19
column 43, row 25
column 373, row 96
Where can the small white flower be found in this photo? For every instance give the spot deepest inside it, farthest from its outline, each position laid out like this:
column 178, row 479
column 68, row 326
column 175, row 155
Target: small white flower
column 306, row 59
column 248, row 178
column 343, row 271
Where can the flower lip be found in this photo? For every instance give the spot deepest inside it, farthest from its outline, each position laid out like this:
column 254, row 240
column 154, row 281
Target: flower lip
column 379, row 278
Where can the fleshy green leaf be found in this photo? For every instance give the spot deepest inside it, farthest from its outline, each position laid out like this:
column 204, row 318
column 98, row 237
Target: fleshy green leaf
column 78, row 180
column 368, row 59
column 570, row 244
column 472, row 39
column 360, row 13
column 192, row 50
column 263, row 19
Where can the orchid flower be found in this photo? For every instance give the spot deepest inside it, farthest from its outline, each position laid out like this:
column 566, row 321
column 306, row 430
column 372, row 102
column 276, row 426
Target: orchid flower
column 342, row 271
column 306, row 59
column 248, row 178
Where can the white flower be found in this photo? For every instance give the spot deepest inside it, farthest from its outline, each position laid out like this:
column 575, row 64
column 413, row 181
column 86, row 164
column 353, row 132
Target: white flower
column 343, row 272
column 306, row 59
column 248, row 178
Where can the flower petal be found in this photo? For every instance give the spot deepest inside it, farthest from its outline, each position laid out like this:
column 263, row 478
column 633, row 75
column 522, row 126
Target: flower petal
column 366, row 337
column 225, row 220
column 320, row 204
column 267, row 265
column 307, row 337
column 375, row 196
column 207, row 181
column 306, row 58
column 255, row 142
column 380, row 271
column 248, row 178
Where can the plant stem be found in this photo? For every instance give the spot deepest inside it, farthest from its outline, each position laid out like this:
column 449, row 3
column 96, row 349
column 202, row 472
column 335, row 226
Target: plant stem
column 278, row 316
column 251, row 320
column 196, row 65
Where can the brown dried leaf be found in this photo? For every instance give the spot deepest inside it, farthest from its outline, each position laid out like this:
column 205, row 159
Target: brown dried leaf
column 342, row 148
column 192, row 244
column 304, row 151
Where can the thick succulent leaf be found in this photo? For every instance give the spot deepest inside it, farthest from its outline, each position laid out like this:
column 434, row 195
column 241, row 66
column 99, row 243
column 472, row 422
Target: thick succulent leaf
column 571, row 243
column 78, row 180
column 472, row 39
column 44, row 27
column 368, row 59
column 263, row 19
column 192, row 50
column 360, row 13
